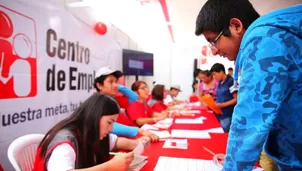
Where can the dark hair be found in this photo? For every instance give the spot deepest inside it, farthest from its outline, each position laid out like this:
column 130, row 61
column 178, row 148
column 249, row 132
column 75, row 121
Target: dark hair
column 100, row 80
column 207, row 73
column 194, row 82
column 230, row 69
column 196, row 72
column 84, row 123
column 135, row 86
column 215, row 15
column 158, row 92
column 218, row 67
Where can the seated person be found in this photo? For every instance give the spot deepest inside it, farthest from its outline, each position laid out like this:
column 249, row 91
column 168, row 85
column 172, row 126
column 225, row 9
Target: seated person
column 83, row 140
column 157, row 105
column 159, row 93
column 171, row 97
column 106, row 82
column 139, row 112
column 226, row 95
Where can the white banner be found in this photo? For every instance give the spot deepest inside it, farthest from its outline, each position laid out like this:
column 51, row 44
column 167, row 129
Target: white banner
column 48, row 59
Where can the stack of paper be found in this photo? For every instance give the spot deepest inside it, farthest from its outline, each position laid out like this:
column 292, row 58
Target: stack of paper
column 184, row 164
column 176, row 143
column 166, row 121
column 162, row 134
column 192, row 111
column 190, row 134
column 194, row 104
column 149, row 127
column 190, row 121
column 164, row 124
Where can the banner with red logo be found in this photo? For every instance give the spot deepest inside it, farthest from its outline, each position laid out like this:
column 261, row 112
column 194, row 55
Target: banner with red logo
column 48, row 60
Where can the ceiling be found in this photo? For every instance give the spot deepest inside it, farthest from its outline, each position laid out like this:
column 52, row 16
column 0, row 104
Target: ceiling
column 146, row 23
column 184, row 12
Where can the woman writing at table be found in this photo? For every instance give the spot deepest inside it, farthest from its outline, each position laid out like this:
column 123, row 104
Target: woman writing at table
column 83, row 141
column 139, row 112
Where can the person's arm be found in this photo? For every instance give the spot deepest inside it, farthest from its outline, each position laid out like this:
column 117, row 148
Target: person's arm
column 123, row 130
column 142, row 121
column 125, row 144
column 231, row 102
column 263, row 87
column 131, row 95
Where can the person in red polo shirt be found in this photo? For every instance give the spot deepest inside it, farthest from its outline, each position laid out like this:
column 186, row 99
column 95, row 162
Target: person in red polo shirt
column 139, row 112
column 159, row 93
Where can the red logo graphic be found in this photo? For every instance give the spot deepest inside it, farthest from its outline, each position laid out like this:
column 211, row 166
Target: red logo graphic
column 18, row 55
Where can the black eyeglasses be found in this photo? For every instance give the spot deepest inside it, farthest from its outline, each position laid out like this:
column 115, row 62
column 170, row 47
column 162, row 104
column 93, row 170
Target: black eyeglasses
column 212, row 44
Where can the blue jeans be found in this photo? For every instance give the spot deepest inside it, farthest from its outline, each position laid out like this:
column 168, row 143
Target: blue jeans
column 225, row 123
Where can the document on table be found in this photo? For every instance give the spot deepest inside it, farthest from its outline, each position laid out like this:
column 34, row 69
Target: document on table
column 149, row 127
column 215, row 130
column 164, row 124
column 194, row 104
column 176, row 143
column 190, row 121
column 177, row 133
column 166, row 121
column 161, row 134
column 192, row 111
column 184, row 164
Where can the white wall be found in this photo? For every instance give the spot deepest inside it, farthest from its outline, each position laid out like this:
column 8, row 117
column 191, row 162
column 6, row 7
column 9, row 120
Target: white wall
column 182, row 66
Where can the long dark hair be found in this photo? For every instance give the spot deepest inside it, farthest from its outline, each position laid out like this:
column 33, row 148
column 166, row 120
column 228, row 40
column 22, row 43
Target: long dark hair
column 84, row 123
column 158, row 92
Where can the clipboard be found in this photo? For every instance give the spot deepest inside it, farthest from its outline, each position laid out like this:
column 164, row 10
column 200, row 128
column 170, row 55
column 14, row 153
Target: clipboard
column 209, row 101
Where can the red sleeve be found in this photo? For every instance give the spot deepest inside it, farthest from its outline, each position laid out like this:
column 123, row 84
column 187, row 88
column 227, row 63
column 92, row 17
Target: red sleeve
column 150, row 111
column 157, row 107
column 134, row 111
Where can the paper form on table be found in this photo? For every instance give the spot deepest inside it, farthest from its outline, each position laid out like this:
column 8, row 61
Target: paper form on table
column 177, row 133
column 184, row 164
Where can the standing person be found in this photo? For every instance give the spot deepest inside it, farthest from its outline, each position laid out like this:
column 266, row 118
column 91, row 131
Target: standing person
column 230, row 72
column 197, row 75
column 267, row 50
column 208, row 84
column 226, row 97
column 83, row 140
column 106, row 83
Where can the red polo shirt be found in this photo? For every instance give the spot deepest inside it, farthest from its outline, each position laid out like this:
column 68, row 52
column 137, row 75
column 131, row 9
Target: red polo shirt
column 159, row 107
column 137, row 110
